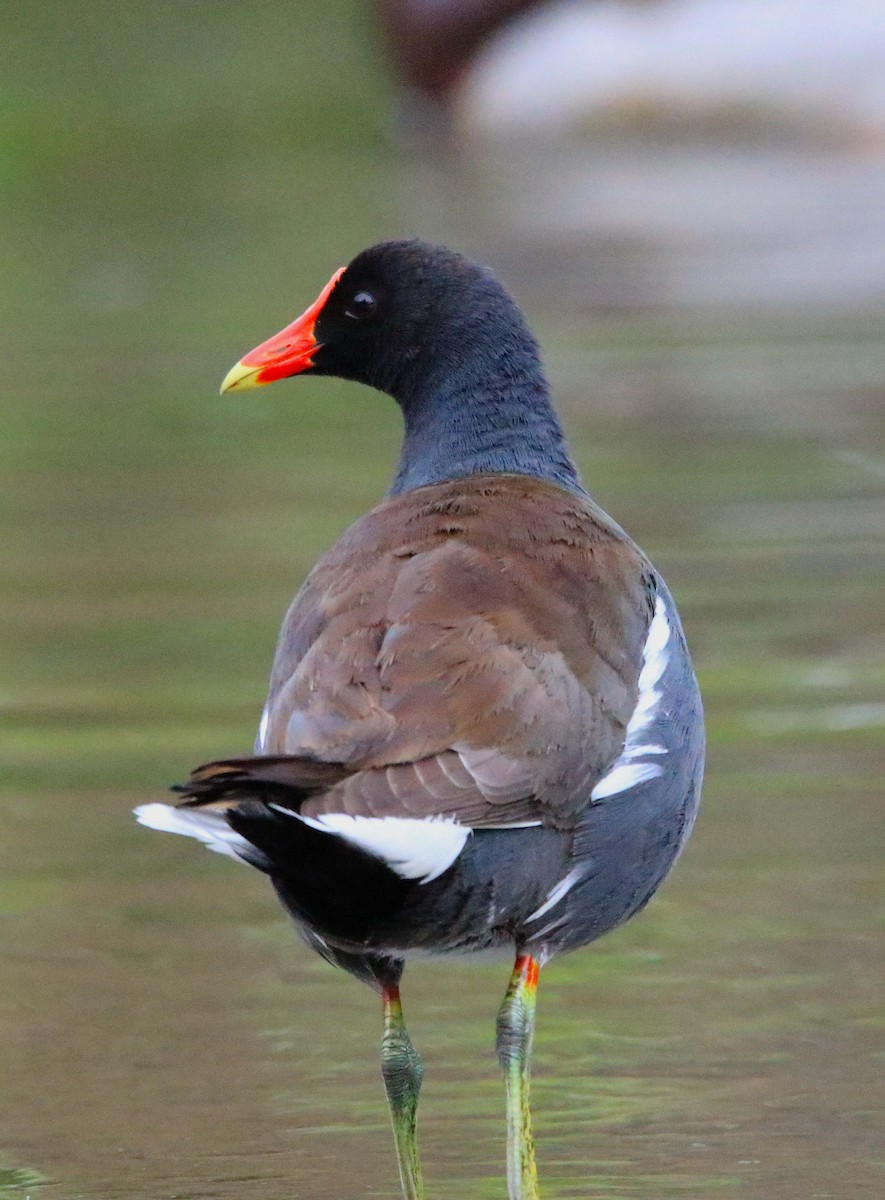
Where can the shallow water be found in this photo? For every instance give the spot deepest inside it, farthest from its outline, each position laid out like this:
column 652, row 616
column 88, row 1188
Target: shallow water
column 162, row 1034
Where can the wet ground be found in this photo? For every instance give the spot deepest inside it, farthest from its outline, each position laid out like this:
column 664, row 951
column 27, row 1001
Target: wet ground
column 162, row 1034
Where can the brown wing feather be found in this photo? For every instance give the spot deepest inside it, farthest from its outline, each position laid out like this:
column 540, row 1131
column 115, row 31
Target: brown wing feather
column 438, row 786
column 471, row 649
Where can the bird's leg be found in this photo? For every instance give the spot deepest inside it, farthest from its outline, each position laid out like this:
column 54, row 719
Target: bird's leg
column 403, row 1071
column 516, row 1027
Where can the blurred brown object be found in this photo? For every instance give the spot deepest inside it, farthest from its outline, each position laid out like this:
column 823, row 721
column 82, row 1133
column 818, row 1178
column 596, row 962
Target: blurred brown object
column 430, row 45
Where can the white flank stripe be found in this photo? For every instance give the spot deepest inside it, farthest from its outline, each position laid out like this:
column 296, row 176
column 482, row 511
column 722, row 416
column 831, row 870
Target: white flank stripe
column 515, row 825
column 624, row 776
column 556, row 894
column 210, row 828
column 623, row 773
column 412, row 848
column 262, row 729
column 639, row 751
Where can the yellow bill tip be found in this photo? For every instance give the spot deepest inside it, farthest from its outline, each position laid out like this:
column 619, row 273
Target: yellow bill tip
column 240, row 378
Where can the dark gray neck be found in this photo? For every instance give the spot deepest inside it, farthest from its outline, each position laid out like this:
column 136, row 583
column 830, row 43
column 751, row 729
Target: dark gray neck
column 461, row 424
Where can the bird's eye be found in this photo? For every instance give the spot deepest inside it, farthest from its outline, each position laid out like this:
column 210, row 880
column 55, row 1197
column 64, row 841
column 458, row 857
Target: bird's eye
column 361, row 306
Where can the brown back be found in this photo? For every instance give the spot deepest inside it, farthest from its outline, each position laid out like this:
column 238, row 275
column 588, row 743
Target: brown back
column 469, row 649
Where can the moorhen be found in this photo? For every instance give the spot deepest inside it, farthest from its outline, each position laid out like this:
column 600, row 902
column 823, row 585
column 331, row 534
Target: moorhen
column 483, row 730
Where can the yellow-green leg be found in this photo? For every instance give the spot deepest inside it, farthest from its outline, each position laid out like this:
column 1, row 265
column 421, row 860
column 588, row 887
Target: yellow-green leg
column 516, row 1027
column 403, row 1071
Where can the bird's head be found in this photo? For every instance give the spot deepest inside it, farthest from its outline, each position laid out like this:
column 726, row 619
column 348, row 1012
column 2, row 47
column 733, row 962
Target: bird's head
column 399, row 311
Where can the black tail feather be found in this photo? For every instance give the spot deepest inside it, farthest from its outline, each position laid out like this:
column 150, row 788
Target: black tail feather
column 285, row 779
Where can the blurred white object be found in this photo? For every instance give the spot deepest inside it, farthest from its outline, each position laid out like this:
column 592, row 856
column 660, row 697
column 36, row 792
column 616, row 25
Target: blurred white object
column 567, row 62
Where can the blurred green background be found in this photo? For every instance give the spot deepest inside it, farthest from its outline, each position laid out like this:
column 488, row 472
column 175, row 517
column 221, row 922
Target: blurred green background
column 178, row 181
